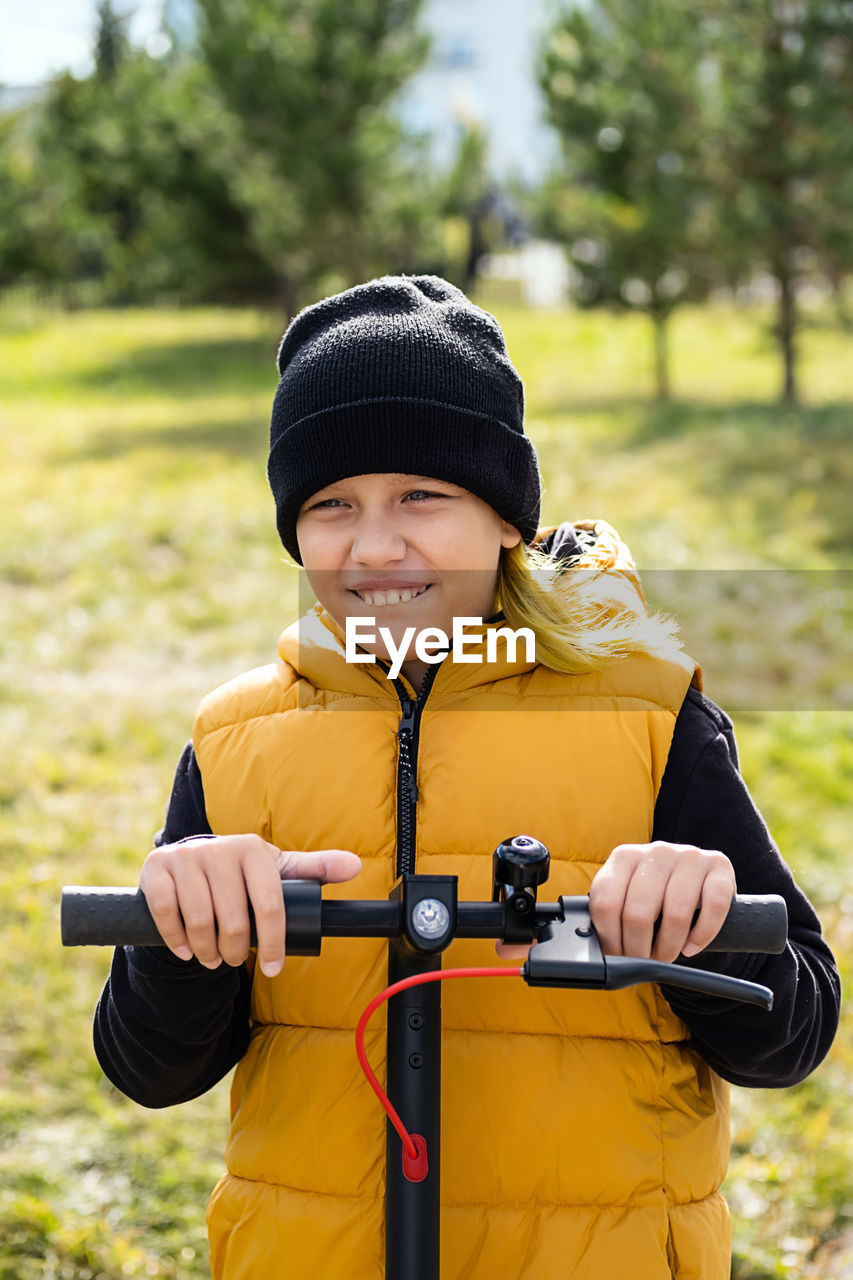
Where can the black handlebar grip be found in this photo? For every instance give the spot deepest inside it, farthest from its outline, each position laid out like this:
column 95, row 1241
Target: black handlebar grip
column 756, row 922
column 112, row 917
column 106, row 917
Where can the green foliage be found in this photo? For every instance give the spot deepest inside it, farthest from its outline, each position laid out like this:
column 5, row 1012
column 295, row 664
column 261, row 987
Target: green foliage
column 145, row 207
column 139, row 567
column 265, row 163
column 473, row 207
column 18, row 243
column 111, row 42
column 702, row 146
column 622, row 83
column 780, row 149
column 301, row 93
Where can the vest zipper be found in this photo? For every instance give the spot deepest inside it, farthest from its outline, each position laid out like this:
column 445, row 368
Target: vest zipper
column 407, row 766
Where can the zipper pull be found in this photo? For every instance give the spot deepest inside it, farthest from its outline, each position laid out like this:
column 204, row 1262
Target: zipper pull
column 407, row 720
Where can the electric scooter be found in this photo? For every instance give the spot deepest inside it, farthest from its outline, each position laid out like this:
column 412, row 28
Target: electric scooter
column 420, row 918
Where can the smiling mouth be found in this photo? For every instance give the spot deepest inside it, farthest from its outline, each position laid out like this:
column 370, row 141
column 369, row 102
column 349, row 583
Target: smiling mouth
column 376, row 599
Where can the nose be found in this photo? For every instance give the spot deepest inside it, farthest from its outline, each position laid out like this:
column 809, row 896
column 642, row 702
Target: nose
column 376, row 542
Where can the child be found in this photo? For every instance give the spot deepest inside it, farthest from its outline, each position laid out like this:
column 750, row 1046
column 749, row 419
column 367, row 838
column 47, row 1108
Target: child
column 583, row 1134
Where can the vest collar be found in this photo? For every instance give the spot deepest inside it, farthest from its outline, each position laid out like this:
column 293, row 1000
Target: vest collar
column 315, row 647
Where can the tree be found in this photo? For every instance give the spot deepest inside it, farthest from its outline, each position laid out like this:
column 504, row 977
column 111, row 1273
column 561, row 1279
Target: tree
column 622, row 81
column 781, row 144
column 475, row 201
column 18, row 247
column 300, row 93
column 264, row 159
column 111, row 42
column 145, row 208
column 49, row 231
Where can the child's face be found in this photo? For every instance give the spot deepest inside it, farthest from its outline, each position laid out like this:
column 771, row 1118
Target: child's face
column 367, row 541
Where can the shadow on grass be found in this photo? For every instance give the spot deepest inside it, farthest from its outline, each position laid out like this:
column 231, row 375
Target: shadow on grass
column 727, row 448
column 817, row 424
column 643, row 421
column 188, row 368
column 183, row 371
column 237, row 438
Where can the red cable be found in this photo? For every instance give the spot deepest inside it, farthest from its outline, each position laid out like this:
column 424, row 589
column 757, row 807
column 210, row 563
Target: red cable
column 414, row 981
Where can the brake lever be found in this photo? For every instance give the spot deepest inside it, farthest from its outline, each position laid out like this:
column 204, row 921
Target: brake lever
column 568, row 954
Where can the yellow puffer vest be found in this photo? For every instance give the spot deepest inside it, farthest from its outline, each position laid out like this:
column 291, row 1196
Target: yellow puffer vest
column 582, row 1136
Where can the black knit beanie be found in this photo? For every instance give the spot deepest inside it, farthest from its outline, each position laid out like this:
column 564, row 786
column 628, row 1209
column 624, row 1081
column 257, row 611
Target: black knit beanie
column 402, row 374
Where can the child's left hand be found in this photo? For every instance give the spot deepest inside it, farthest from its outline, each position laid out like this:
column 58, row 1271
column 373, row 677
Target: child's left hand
column 641, row 882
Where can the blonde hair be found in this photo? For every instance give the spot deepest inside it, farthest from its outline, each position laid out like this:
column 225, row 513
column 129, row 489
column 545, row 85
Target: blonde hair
column 582, row 614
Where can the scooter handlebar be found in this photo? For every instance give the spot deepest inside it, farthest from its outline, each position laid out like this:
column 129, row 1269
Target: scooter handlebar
column 113, row 916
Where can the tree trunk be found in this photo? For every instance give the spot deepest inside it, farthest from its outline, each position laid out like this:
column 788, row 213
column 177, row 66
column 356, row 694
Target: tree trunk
column 476, row 246
column 838, row 284
column 787, row 335
column 288, row 296
column 660, row 321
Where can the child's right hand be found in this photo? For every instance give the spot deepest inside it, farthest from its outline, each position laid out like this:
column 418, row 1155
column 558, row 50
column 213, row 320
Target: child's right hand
column 198, row 893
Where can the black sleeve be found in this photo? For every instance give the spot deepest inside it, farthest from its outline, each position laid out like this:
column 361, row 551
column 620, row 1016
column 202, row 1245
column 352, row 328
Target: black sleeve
column 186, row 815
column 704, row 801
column 166, row 1030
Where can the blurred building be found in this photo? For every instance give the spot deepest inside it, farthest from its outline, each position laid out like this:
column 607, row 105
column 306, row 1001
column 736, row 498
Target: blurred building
column 482, row 71
column 179, row 21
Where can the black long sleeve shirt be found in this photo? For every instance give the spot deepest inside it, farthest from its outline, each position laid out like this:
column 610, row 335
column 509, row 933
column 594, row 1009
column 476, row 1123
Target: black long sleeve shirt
column 166, row 1030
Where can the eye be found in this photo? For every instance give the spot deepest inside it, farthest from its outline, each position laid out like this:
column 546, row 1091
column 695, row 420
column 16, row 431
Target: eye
column 326, row 502
column 420, row 495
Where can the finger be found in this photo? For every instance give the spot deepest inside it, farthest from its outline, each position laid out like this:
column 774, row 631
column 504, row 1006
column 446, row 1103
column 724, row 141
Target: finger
column 718, row 890
column 607, row 897
column 643, row 904
column 680, row 903
column 228, row 896
column 161, row 896
column 196, row 907
column 263, row 885
column 330, row 866
column 511, row 951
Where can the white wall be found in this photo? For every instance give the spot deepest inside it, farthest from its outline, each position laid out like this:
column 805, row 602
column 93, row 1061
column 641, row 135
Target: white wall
column 482, row 69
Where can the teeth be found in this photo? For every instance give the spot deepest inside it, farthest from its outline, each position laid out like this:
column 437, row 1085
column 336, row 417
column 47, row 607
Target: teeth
column 379, row 598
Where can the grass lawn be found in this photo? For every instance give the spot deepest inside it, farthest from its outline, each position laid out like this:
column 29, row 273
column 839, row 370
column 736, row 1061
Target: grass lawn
column 139, row 567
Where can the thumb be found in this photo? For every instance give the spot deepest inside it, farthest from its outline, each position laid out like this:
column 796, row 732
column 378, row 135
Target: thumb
column 327, row 865
column 509, row 951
